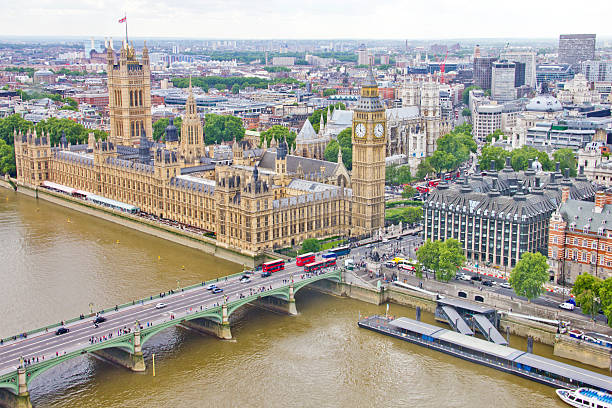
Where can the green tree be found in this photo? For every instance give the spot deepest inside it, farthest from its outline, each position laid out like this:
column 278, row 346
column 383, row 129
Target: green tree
column 222, row 128
column 11, row 123
column 310, row 245
column 567, row 159
column 529, row 275
column 424, row 169
column 278, row 133
column 441, row 161
column 408, row 192
column 7, row 159
column 159, row 128
column 465, row 96
column 586, row 289
column 75, row 132
column 442, row 257
column 343, row 141
column 235, row 89
column 315, row 118
column 496, row 135
column 466, row 112
column 605, row 299
column 330, row 92
column 397, row 175
column 491, row 153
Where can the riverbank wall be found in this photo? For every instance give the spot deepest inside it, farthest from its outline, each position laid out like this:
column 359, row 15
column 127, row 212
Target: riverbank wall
column 563, row 346
column 182, row 237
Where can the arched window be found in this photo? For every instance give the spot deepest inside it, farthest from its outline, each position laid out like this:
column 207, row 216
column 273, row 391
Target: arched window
column 131, row 98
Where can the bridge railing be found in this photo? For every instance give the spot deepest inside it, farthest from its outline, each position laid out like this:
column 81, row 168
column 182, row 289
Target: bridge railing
column 119, row 307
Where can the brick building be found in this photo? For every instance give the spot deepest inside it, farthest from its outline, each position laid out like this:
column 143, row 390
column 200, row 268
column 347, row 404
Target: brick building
column 580, row 237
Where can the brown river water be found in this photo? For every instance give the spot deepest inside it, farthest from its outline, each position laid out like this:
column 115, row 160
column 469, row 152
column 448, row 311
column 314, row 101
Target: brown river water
column 55, row 262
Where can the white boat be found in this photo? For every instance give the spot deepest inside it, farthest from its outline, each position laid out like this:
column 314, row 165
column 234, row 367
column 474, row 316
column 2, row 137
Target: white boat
column 586, row 398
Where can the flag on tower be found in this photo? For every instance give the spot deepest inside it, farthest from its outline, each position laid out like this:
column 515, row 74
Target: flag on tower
column 123, row 20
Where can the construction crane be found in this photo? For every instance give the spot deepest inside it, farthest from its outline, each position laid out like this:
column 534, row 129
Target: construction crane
column 442, row 68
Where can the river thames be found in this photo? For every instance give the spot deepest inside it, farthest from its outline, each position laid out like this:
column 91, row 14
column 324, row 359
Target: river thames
column 55, row 262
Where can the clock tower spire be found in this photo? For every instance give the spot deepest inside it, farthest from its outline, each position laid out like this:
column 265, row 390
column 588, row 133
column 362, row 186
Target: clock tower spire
column 369, row 152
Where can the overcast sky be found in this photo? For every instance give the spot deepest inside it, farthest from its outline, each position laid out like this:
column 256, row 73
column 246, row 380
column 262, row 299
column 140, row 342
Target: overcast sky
column 255, row 19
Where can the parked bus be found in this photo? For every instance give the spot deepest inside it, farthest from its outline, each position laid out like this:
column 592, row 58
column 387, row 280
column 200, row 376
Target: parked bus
column 304, row 259
column 328, row 255
column 422, row 189
column 273, row 266
column 315, row 266
column 340, row 251
column 433, row 183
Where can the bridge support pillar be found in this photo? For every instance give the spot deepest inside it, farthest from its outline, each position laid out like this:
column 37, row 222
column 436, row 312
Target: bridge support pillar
column 133, row 361
column 279, row 305
column 22, row 399
column 221, row 330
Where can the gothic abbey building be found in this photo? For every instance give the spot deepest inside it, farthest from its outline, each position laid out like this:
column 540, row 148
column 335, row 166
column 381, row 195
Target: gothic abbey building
column 264, row 199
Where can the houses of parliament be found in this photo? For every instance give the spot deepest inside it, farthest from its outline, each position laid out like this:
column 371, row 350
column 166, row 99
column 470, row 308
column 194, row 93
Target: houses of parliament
column 265, row 199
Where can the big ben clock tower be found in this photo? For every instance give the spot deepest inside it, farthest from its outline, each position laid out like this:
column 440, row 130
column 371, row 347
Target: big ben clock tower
column 369, row 152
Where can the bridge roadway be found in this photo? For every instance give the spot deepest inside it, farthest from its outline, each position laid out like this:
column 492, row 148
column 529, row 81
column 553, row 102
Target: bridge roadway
column 181, row 304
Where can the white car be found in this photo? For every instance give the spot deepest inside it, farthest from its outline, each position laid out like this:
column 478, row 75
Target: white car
column 505, row 285
column 245, row 280
column 464, row 277
column 567, row 306
column 160, row 305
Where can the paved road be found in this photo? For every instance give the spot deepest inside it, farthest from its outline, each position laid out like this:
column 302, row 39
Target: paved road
column 47, row 344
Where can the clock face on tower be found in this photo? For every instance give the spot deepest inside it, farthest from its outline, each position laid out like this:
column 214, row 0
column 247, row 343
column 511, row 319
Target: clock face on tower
column 379, row 130
column 360, row 130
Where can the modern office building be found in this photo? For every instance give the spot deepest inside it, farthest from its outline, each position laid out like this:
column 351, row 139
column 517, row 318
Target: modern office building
column 527, row 57
column 575, row 48
column 553, row 72
column 499, row 216
column 487, row 118
column 597, row 71
column 519, row 74
column 482, row 71
column 503, row 75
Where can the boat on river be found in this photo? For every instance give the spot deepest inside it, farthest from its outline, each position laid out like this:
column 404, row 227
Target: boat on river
column 585, row 398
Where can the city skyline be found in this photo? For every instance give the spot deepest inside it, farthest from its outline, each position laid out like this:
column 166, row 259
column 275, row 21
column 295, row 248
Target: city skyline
column 235, row 19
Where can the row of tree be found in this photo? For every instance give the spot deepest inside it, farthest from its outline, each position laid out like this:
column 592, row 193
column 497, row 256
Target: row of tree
column 75, row 133
column 453, row 149
column 594, row 294
column 519, row 158
column 233, row 83
column 278, row 133
column 217, row 128
column 405, row 215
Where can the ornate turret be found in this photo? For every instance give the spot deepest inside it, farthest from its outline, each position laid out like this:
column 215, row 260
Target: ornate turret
column 171, row 132
column 192, row 131
column 63, row 141
column 144, row 154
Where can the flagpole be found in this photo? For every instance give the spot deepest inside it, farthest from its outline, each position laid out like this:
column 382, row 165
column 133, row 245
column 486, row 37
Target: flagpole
column 126, row 35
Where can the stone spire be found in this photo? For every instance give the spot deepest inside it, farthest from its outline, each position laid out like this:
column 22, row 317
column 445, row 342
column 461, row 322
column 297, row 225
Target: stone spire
column 321, row 125
column 340, row 155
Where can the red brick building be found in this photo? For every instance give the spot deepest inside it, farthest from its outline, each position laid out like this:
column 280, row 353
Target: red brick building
column 98, row 100
column 580, row 237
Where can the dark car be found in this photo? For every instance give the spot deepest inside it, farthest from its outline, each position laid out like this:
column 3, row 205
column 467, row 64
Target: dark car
column 217, row 290
column 99, row 319
column 476, row 278
column 265, row 274
column 61, row 330
column 487, row 282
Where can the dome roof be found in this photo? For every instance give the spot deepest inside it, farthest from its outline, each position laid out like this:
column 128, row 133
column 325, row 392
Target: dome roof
column 544, row 103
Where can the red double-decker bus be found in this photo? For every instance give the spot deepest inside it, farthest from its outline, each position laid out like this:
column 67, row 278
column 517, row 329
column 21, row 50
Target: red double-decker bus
column 305, row 259
column 315, row 266
column 273, row 266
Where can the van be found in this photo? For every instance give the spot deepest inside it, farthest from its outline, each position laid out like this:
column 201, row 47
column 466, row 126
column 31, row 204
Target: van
column 406, row 267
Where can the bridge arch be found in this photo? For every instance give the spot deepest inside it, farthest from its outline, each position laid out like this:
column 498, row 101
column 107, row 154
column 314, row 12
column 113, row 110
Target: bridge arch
column 148, row 332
